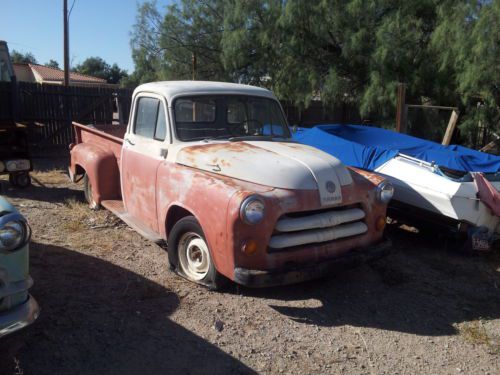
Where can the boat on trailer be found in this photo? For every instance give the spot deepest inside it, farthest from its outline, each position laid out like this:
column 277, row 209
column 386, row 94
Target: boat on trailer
column 450, row 186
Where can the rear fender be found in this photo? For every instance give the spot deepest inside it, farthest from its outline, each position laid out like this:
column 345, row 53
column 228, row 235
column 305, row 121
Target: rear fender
column 101, row 168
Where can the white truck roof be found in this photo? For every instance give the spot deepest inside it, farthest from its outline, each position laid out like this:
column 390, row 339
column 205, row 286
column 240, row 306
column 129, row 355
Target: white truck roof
column 172, row 89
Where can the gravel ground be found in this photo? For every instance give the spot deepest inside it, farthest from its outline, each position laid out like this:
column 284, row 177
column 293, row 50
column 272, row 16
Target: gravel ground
column 110, row 306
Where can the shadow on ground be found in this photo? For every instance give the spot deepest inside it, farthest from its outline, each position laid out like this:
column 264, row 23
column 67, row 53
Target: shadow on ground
column 36, row 192
column 419, row 289
column 98, row 318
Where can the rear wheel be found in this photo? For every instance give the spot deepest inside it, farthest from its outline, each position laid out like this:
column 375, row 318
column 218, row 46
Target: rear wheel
column 189, row 254
column 20, row 179
column 87, row 189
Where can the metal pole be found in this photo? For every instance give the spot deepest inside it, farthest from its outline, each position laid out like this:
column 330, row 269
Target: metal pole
column 66, row 44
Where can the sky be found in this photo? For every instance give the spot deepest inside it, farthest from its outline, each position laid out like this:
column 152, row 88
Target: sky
column 97, row 28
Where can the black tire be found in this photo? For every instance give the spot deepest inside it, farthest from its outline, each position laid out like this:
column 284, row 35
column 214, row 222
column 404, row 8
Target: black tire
column 185, row 227
column 20, row 179
column 87, row 189
column 12, row 180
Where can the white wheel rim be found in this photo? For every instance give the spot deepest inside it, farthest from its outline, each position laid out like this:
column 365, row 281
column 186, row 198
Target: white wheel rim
column 194, row 256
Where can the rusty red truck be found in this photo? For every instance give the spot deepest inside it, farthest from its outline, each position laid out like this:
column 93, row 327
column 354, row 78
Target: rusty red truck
column 209, row 169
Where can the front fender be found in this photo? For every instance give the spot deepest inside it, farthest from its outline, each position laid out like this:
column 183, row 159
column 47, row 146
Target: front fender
column 101, row 168
column 206, row 196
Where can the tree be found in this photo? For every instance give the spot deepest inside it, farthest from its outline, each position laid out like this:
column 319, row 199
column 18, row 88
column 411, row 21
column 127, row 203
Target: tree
column 97, row 67
column 184, row 43
column 52, row 64
column 145, row 45
column 342, row 51
column 467, row 41
column 23, row 58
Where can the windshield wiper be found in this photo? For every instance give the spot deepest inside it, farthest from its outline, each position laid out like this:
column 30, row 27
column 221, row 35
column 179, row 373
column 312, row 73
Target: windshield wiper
column 215, row 138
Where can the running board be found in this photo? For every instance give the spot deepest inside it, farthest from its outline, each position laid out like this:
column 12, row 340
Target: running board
column 117, row 208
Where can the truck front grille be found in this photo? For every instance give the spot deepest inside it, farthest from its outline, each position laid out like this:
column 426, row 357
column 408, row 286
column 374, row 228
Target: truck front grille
column 308, row 228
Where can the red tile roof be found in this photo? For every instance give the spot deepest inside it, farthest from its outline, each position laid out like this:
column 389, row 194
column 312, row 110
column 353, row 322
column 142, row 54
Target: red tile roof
column 52, row 74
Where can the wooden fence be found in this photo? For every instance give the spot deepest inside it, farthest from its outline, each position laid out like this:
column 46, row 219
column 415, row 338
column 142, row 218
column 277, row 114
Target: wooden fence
column 6, row 94
column 47, row 110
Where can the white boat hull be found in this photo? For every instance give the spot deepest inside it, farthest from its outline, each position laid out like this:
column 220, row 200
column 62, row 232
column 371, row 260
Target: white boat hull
column 417, row 184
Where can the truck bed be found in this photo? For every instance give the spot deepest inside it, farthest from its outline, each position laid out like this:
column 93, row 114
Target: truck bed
column 109, row 137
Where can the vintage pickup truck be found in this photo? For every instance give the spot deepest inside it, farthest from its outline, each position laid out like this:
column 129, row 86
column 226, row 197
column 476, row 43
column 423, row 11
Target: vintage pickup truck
column 209, row 169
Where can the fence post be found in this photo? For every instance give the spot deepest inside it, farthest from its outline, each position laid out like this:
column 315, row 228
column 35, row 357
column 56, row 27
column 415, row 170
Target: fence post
column 401, row 109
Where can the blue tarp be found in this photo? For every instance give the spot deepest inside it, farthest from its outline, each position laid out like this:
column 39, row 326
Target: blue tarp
column 368, row 148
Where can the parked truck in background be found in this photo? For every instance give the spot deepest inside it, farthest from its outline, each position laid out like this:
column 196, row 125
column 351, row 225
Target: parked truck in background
column 14, row 149
column 209, row 169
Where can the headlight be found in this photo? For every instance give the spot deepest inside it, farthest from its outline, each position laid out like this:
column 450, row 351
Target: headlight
column 14, row 232
column 252, row 210
column 385, row 191
column 17, row 165
column 2, row 166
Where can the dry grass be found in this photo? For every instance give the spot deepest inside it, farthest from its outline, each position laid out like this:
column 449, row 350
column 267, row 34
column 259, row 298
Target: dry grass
column 475, row 332
column 85, row 227
column 78, row 208
column 50, row 177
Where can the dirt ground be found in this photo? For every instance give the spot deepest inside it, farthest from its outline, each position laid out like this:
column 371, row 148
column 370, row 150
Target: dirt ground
column 109, row 305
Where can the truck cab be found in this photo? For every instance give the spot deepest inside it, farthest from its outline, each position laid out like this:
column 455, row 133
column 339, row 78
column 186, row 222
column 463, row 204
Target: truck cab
column 210, row 169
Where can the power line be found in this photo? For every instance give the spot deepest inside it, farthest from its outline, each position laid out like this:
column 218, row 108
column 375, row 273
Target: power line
column 71, row 8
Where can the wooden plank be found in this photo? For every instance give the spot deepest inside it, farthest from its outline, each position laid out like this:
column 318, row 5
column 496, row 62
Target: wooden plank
column 400, row 109
column 431, row 106
column 492, row 144
column 452, row 124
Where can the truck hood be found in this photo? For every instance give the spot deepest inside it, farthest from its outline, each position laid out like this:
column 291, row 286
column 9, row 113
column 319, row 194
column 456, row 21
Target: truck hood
column 284, row 165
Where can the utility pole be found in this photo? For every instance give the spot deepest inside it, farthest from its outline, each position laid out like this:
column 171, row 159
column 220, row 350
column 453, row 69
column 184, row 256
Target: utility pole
column 66, row 44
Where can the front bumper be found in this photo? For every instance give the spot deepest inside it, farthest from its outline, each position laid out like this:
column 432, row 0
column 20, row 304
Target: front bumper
column 19, row 316
column 292, row 275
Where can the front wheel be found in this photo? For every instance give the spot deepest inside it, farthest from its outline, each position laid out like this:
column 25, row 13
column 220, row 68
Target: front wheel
column 189, row 255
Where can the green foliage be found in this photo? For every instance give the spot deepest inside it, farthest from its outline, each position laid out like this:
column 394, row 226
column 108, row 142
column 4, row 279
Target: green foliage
column 23, row 58
column 97, row 67
column 467, row 42
column 342, row 51
column 52, row 64
column 182, row 44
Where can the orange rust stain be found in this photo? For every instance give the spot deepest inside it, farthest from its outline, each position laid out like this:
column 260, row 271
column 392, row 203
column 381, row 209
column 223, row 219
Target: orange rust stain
column 230, row 146
column 372, row 177
column 225, row 163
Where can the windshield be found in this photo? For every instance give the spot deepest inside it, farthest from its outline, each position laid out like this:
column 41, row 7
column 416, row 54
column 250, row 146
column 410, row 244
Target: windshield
column 228, row 116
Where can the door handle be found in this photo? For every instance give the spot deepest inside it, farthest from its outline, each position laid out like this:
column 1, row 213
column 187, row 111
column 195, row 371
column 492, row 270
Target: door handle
column 129, row 142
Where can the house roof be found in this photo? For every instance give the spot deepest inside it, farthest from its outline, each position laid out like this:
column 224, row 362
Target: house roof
column 173, row 89
column 47, row 74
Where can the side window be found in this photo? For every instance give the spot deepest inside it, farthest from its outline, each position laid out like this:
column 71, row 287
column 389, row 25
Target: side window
column 150, row 119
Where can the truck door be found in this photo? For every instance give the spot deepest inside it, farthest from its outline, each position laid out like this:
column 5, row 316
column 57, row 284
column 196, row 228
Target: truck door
column 144, row 145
